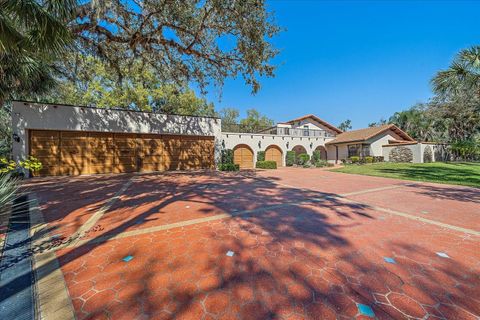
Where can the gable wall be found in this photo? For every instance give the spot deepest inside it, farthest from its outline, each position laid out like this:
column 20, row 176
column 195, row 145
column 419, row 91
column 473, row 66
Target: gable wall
column 378, row 141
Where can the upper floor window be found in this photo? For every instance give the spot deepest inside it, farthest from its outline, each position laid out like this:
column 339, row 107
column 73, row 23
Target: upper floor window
column 305, row 130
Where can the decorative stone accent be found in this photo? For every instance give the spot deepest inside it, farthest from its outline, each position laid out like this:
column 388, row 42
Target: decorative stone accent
column 401, row 154
column 427, row 154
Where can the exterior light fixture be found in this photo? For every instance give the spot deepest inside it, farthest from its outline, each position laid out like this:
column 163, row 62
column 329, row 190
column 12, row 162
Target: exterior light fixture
column 311, row 145
column 287, row 144
column 16, row 138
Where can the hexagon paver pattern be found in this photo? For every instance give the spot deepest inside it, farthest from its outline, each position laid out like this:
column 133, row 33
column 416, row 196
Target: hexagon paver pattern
column 294, row 258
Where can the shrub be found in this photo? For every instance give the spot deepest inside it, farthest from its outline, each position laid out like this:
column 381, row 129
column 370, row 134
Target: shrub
column 316, row 156
column 368, row 159
column 302, row 159
column 378, row 159
column 321, row 163
column 261, row 156
column 227, row 156
column 228, row 167
column 7, row 166
column 306, row 165
column 12, row 167
column 290, row 158
column 355, row 159
column 330, row 164
column 266, row 165
column 8, row 190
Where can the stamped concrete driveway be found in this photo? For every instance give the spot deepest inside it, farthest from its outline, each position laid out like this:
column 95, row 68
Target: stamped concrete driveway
column 286, row 244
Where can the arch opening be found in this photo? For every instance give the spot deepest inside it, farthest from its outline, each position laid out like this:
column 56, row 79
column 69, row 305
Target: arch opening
column 243, row 156
column 323, row 152
column 274, row 153
column 298, row 149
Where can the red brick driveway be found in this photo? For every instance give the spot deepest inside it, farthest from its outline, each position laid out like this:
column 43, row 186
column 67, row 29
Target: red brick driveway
column 301, row 244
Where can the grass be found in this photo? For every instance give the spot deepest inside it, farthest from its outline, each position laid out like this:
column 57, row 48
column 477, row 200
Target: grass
column 466, row 174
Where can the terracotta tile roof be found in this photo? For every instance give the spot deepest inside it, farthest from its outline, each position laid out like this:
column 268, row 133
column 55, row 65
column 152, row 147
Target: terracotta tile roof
column 325, row 123
column 368, row 133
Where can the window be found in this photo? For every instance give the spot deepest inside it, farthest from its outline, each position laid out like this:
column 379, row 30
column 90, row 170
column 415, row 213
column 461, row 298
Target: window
column 358, row 150
column 305, row 130
column 354, row 150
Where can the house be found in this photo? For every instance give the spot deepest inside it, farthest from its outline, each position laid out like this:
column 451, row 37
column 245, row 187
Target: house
column 73, row 140
column 310, row 133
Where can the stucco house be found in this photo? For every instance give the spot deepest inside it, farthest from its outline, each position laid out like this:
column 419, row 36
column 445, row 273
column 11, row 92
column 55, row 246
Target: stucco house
column 72, row 140
column 310, row 133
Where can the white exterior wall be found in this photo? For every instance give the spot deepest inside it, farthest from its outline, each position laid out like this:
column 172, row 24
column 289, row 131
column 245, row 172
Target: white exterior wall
column 260, row 142
column 27, row 116
column 376, row 143
column 416, row 149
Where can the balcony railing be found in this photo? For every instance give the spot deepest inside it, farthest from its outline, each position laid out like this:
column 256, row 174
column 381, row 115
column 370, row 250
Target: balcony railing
column 294, row 132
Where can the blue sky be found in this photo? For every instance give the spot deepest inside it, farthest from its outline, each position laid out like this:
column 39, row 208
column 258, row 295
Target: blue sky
column 356, row 60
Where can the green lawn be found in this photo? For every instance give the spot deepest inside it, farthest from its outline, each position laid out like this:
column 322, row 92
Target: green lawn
column 467, row 174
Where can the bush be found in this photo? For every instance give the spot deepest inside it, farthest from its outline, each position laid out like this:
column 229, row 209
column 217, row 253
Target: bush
column 266, row 165
column 355, row 159
column 12, row 167
column 261, row 156
column 302, row 159
column 8, row 191
column 330, row 164
column 227, row 156
column 306, row 165
column 368, row 159
column 378, row 159
column 316, row 156
column 228, row 167
column 321, row 163
column 290, row 158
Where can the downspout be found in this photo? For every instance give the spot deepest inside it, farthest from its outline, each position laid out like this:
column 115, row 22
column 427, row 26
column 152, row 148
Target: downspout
column 336, row 154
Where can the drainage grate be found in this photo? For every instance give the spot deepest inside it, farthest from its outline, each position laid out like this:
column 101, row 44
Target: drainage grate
column 16, row 277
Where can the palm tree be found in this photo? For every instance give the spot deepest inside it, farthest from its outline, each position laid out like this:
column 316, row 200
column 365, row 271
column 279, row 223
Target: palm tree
column 32, row 35
column 462, row 75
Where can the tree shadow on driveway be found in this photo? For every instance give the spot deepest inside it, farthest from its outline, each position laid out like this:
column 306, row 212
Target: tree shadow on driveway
column 292, row 256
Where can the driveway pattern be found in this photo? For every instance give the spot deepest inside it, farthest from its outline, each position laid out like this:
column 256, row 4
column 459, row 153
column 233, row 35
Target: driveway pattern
column 291, row 243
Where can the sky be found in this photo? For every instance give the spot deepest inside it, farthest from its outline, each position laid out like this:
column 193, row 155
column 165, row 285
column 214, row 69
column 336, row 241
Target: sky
column 356, row 60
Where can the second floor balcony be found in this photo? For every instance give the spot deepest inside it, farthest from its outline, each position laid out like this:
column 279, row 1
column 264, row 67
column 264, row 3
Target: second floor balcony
column 281, row 131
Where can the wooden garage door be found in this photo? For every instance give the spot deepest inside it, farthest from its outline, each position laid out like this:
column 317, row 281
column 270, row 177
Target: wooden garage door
column 243, row 156
column 150, row 153
column 74, row 153
column 273, row 153
column 45, row 146
column 188, row 152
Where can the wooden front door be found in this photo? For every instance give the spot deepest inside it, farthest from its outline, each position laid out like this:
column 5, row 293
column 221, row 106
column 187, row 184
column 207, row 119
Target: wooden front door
column 243, row 156
column 273, row 153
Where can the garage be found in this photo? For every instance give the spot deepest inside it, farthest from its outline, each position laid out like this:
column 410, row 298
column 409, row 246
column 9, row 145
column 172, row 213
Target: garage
column 75, row 153
column 243, row 156
column 274, row 153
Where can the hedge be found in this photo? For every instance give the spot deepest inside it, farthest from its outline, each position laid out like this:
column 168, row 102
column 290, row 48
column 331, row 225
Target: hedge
column 261, row 156
column 355, row 159
column 302, row 159
column 266, row 165
column 290, row 158
column 368, row 159
column 228, row 167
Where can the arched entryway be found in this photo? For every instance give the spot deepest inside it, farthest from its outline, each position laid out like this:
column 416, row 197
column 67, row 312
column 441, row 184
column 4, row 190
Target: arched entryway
column 323, row 152
column 243, row 156
column 298, row 149
column 274, row 153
